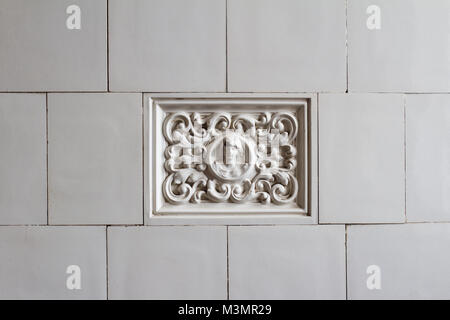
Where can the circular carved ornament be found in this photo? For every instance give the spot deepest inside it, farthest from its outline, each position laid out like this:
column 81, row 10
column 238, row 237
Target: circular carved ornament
column 231, row 157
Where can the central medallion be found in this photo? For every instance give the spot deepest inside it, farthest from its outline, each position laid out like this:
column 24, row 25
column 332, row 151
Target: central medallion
column 231, row 157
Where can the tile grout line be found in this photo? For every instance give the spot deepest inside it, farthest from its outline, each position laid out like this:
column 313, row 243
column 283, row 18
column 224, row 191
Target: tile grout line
column 107, row 46
column 346, row 263
column 143, row 157
column 107, row 259
column 226, row 45
column 228, row 267
column 346, row 41
column 404, row 154
column 234, row 93
column 229, row 225
column 46, row 151
column 317, row 207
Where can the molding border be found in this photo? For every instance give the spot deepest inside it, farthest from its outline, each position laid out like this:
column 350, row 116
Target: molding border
column 155, row 210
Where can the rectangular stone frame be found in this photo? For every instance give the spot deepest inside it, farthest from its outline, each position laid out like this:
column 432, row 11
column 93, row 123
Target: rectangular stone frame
column 156, row 214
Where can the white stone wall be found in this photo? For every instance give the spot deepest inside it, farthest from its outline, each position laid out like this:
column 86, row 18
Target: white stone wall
column 76, row 143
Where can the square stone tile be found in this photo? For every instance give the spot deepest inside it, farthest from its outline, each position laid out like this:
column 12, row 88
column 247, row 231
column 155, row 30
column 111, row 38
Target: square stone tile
column 161, row 45
column 39, row 52
column 409, row 53
column 361, row 158
column 411, row 261
column 23, row 159
column 95, row 158
column 287, row 262
column 35, row 262
column 167, row 262
column 428, row 158
column 286, row 45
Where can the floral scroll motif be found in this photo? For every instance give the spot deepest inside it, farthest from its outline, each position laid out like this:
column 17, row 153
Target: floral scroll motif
column 230, row 157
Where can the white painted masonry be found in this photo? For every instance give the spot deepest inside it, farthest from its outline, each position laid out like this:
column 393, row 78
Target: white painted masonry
column 100, row 99
column 295, row 262
column 361, row 158
column 410, row 257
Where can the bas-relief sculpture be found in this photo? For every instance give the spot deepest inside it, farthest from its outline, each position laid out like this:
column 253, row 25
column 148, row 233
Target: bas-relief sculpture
column 220, row 157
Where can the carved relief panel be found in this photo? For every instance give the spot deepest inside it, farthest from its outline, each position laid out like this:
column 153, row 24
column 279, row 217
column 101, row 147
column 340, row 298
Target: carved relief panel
column 229, row 156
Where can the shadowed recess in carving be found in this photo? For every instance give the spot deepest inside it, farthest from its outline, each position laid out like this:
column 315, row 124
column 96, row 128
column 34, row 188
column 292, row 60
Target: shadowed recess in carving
column 230, row 157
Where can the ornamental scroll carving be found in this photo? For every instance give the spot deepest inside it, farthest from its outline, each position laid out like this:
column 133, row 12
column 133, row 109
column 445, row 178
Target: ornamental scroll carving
column 230, row 157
